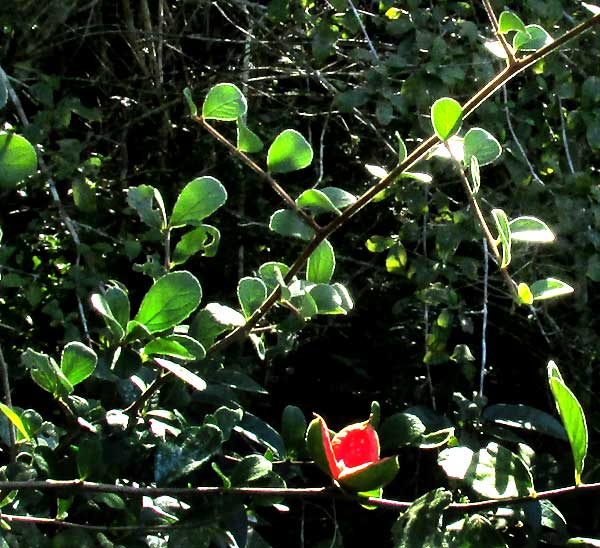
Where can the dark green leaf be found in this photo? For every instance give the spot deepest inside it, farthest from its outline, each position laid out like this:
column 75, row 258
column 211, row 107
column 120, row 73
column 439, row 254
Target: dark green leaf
column 203, row 239
column 532, row 38
column 526, row 418
column 251, row 292
column 290, row 151
column 260, row 432
column 224, row 102
column 198, row 199
column 316, row 201
column 339, row 197
column 213, row 320
column 187, row 93
column 401, row 429
column 478, row 532
column 482, row 144
column 142, row 198
column 287, row 223
column 249, row 469
column 169, row 301
column 293, row 428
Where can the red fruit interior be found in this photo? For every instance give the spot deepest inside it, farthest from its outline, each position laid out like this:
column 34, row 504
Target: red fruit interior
column 355, row 445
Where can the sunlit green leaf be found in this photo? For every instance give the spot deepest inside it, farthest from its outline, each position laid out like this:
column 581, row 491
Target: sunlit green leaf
column 252, row 292
column 169, row 301
column 534, row 37
column 321, row 264
column 446, row 117
column 402, row 152
column 510, row 21
column 198, row 199
column 290, row 151
column 316, row 201
column 18, row 160
column 204, row 239
column 288, row 223
column 524, row 293
column 224, row 102
column 15, row 419
column 504, row 234
column 77, row 362
column 182, row 373
column 247, row 140
column 572, row 416
column 530, row 229
column 483, row 145
column 549, row 289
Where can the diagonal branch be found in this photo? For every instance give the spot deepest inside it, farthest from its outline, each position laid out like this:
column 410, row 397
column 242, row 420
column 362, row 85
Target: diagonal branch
column 501, row 38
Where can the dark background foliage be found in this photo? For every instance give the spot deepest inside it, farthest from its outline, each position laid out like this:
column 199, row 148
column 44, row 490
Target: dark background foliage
column 102, row 85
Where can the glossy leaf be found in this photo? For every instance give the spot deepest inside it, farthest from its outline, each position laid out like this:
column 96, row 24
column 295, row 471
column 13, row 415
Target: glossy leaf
column 534, row 37
column 18, row 160
column 100, row 305
column 213, row 320
column 530, row 229
column 572, row 416
column 549, row 289
column 205, row 240
column 290, row 151
column 525, row 418
column 401, row 429
column 169, row 301
column 510, row 21
column 287, row 223
column 329, row 299
column 224, row 102
column 316, row 201
column 198, row 199
column 377, row 171
column 262, row 433
column 293, row 428
column 339, row 197
column 251, row 292
column 583, row 541
column 504, row 235
column 482, row 144
column 273, row 273
column 321, row 264
column 78, row 362
column 446, row 117
column 416, row 176
column 247, row 140
column 182, row 373
column 249, row 469
column 15, row 419
column 402, row 152
column 419, row 526
column 164, row 346
column 493, row 472
column 46, row 373
column 143, row 198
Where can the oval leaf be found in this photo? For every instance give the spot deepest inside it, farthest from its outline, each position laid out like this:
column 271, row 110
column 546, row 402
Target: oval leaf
column 14, row 418
column 247, row 140
column 530, row 229
column 287, row 223
column 532, row 38
column 251, row 292
column 198, row 199
column 372, row 477
column 18, row 160
column 77, row 362
column 290, row 151
column 446, row 117
column 524, row 293
column 182, row 373
column 549, row 289
column 170, row 301
column 224, row 102
column 481, row 144
column 321, row 264
column 510, row 21
column 316, row 201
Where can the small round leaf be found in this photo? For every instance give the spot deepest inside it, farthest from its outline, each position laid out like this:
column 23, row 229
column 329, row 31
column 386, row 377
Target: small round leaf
column 446, row 117
column 290, row 151
column 224, row 102
column 18, row 160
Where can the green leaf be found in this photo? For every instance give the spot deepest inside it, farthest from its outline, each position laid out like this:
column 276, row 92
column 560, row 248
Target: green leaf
column 142, row 198
column 89, row 458
column 187, row 93
column 224, row 102
column 582, row 541
column 293, row 427
column 15, row 419
column 549, row 289
column 169, row 301
column 18, row 160
column 287, row 223
column 260, row 432
column 316, row 201
column 321, row 264
column 377, row 244
column 373, row 476
column 205, row 239
column 273, row 273
column 532, row 38
column 478, row 532
column 327, row 299
column 192, row 449
column 77, row 362
column 416, row 176
column 247, row 140
column 493, row 472
column 191, row 345
column 524, row 293
column 166, row 346
column 396, row 259
column 3, row 88
column 530, row 229
column 510, row 21
column 526, row 418
column 402, row 152
column 198, row 199
column 182, row 373
column 400, row 429
column 504, row 234
column 249, row 469
column 290, row 151
column 213, row 320
column 237, row 380
column 46, row 373
column 446, row 117
column 419, row 526
column 339, row 197
column 100, row 305
column 251, row 293
column 572, row 416
column 482, row 144
column 376, row 171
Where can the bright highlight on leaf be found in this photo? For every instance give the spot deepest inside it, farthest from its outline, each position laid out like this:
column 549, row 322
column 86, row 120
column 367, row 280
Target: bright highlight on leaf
column 18, row 160
column 549, row 289
column 224, row 102
column 530, row 229
column 247, row 140
column 510, row 21
column 198, row 199
column 321, row 264
column 446, row 117
column 290, row 151
column 525, row 294
column 572, row 416
column 595, row 10
column 503, row 234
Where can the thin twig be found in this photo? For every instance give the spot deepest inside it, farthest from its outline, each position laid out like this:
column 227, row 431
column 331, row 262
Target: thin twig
column 501, row 38
column 12, row 435
column 564, row 136
column 363, row 30
column 484, row 316
column 513, row 134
